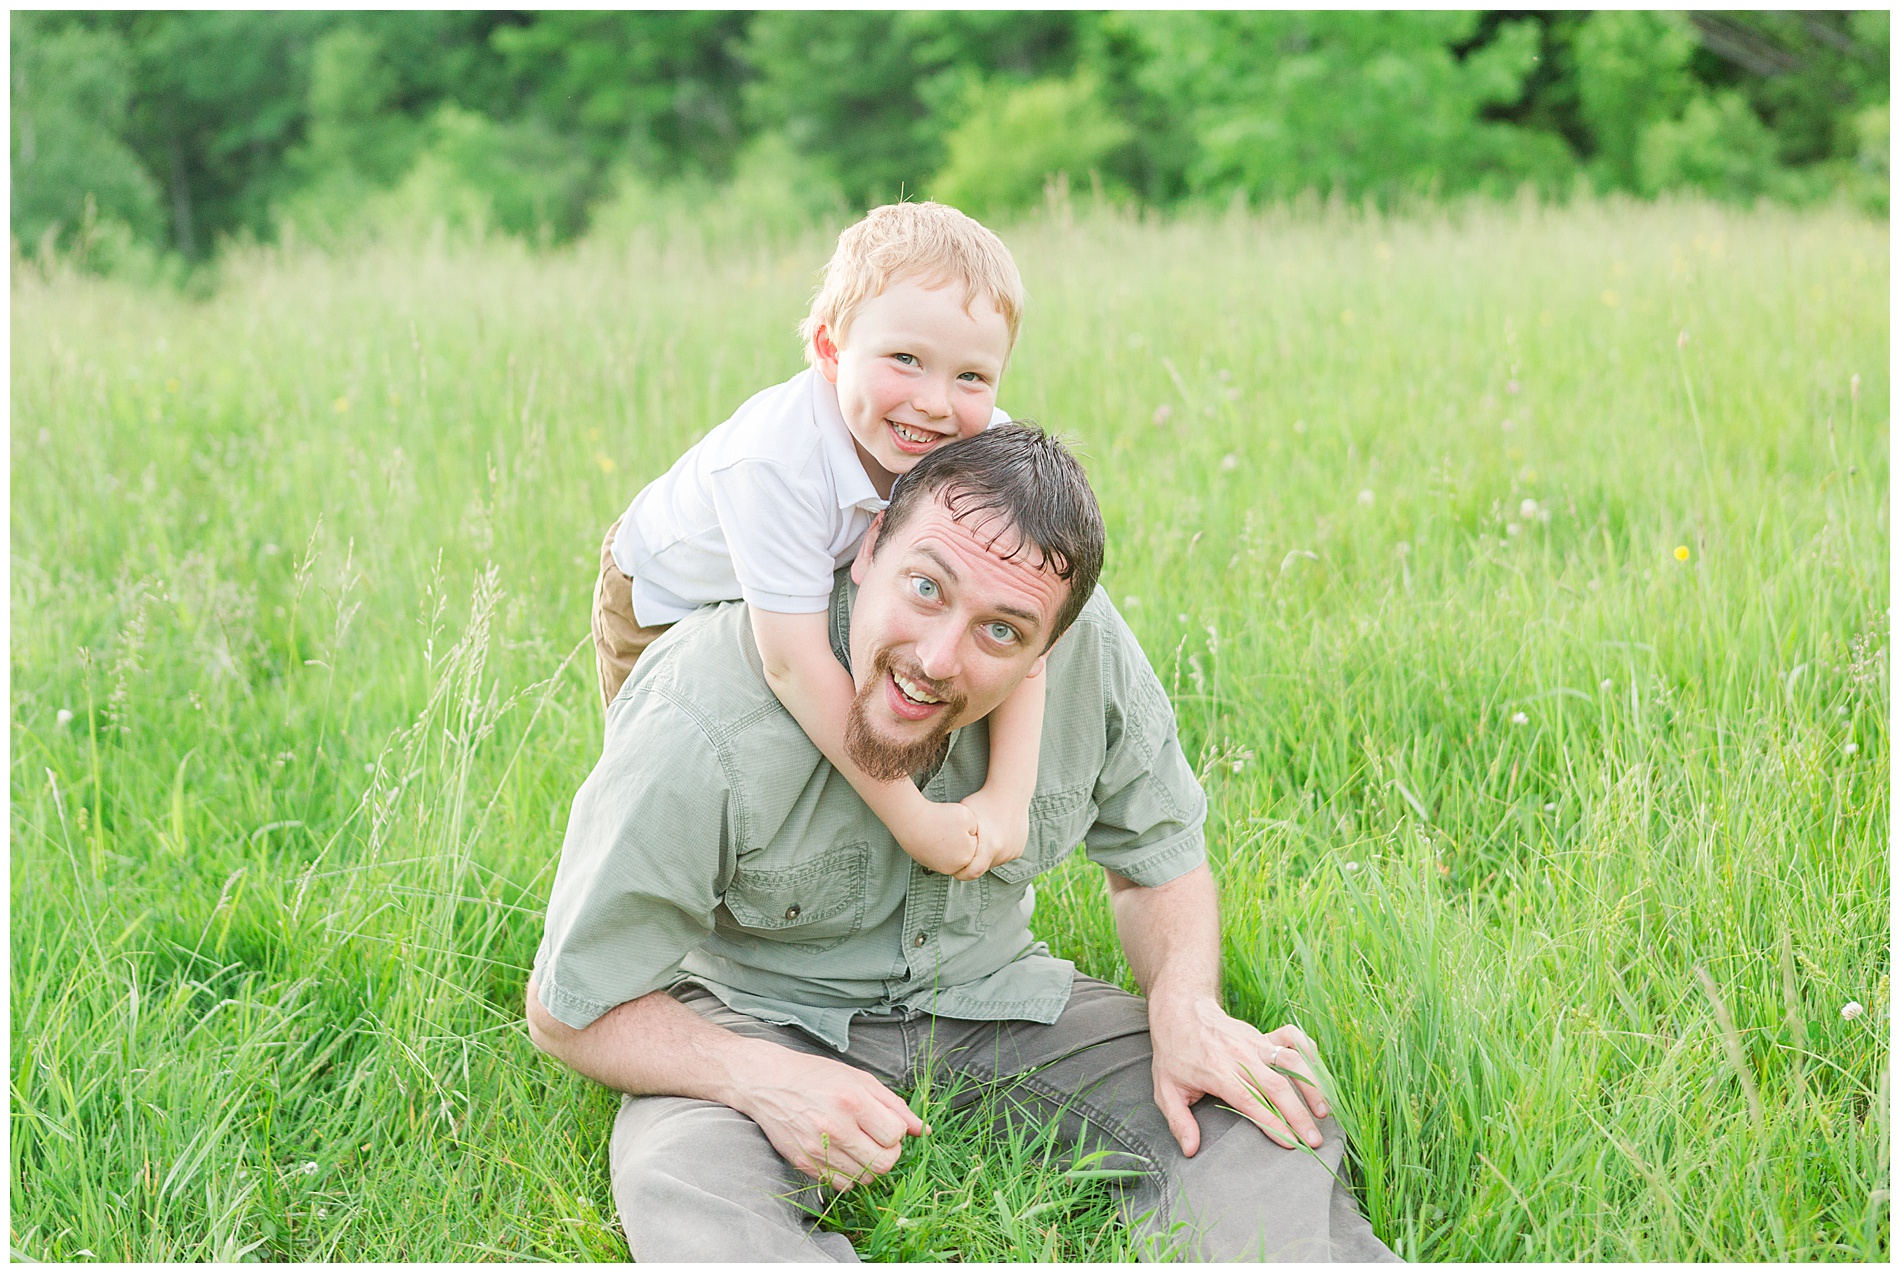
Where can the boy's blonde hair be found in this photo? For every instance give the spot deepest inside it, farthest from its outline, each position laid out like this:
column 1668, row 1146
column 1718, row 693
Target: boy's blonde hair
column 931, row 242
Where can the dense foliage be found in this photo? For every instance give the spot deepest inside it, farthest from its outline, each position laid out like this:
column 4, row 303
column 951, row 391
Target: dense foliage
column 136, row 132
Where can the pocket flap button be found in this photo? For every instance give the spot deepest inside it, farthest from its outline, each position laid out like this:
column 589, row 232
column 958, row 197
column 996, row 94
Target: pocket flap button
column 791, row 912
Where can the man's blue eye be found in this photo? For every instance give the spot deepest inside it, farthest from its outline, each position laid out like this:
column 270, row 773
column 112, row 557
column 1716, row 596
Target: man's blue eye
column 925, row 588
column 1002, row 632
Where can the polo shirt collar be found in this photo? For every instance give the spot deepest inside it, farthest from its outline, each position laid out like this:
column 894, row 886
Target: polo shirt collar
column 848, row 477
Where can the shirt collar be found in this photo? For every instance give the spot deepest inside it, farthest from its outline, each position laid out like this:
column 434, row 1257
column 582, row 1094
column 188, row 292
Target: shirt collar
column 848, row 477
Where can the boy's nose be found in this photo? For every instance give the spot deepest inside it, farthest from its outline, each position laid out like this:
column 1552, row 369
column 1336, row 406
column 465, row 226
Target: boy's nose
column 931, row 400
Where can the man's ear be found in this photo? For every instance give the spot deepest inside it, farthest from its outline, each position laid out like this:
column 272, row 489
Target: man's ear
column 1036, row 668
column 867, row 546
column 827, row 350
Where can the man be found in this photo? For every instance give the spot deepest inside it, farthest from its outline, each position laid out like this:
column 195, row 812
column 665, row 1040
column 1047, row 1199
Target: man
column 736, row 942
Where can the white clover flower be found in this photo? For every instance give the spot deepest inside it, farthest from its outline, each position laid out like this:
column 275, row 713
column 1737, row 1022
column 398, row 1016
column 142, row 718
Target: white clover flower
column 1606, row 684
column 1229, row 462
column 63, row 717
column 1851, row 748
column 1850, row 1010
column 1512, row 529
column 1528, row 509
column 1520, row 718
column 1352, row 866
column 1550, row 806
column 1366, row 497
column 310, row 1169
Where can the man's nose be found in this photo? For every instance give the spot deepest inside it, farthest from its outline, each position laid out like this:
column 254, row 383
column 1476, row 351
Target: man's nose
column 939, row 653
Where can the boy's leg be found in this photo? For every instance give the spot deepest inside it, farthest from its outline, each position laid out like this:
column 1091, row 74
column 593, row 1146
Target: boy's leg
column 619, row 639
column 1241, row 1197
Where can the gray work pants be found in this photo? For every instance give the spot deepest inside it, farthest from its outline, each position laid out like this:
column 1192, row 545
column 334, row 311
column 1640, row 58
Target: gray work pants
column 696, row 1181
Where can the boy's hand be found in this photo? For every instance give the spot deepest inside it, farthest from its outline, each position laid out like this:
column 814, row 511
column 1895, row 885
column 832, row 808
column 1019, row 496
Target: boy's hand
column 943, row 837
column 1002, row 832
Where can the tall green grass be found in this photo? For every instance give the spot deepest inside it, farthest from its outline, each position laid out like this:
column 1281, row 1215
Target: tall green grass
column 1569, row 852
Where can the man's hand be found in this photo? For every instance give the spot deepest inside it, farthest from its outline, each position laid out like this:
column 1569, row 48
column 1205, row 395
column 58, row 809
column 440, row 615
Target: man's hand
column 1201, row 1051
column 1002, row 831
column 835, row 1123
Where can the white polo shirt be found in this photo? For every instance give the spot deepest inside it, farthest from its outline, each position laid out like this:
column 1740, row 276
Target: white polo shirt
column 764, row 508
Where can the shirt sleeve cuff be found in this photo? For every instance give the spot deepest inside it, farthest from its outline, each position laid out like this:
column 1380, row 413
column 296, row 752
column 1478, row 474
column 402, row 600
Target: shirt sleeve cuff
column 1155, row 864
column 786, row 603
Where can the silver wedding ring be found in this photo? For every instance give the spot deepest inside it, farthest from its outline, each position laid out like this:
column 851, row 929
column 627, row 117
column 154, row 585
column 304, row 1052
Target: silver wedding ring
column 1273, row 1058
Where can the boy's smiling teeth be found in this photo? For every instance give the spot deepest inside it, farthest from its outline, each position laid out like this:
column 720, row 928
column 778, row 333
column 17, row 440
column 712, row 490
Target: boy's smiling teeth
column 905, row 432
column 912, row 690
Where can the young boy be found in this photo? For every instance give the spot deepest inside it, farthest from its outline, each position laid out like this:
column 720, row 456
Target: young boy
column 907, row 340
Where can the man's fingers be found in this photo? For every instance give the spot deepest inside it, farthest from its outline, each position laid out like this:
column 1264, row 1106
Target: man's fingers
column 1174, row 1107
column 1261, row 1114
column 1294, row 1058
column 1270, row 1089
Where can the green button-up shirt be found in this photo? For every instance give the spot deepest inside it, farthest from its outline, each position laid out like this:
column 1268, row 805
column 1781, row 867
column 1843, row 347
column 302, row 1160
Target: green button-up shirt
column 712, row 842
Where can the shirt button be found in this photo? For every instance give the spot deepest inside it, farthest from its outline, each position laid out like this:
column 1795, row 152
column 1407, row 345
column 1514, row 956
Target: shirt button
column 791, row 912
column 922, row 938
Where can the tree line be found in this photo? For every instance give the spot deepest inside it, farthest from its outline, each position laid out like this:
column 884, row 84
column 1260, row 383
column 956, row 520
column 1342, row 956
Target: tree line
column 168, row 131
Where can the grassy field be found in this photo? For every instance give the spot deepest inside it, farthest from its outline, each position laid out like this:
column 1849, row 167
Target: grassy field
column 1520, row 578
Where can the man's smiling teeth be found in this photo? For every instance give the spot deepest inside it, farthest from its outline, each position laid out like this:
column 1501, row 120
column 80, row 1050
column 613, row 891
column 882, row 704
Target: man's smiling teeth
column 911, row 435
column 912, row 691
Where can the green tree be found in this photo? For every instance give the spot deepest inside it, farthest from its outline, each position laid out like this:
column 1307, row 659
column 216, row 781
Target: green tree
column 70, row 89
column 1632, row 72
column 1013, row 137
column 872, row 94
column 1358, row 103
column 659, row 91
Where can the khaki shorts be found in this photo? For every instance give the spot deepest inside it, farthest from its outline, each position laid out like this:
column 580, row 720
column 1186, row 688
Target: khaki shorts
column 619, row 640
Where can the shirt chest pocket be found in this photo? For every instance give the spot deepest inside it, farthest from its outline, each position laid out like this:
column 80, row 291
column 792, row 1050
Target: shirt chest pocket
column 1057, row 822
column 816, row 903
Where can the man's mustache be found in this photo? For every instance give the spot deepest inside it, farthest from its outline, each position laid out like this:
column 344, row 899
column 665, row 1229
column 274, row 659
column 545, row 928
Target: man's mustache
column 888, row 661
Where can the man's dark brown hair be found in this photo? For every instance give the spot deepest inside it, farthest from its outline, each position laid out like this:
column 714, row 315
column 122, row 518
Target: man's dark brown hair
column 1025, row 483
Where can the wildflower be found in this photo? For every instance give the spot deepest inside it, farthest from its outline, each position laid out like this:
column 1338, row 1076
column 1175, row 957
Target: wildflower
column 310, row 1169
column 1850, row 1010
column 271, row 550
column 1163, row 413
column 1299, row 426
column 1352, row 866
column 1520, row 718
column 63, row 717
column 1550, row 806
column 1513, row 529
column 1508, row 424
column 1606, row 684
column 606, row 463
column 1851, row 748
column 1229, row 462
column 172, row 386
column 1528, row 509
column 1511, row 387
column 1682, row 552
column 341, row 405
column 1366, row 497
column 1402, row 548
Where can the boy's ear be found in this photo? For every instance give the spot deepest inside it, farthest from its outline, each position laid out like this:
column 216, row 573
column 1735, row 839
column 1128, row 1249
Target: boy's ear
column 866, row 546
column 827, row 350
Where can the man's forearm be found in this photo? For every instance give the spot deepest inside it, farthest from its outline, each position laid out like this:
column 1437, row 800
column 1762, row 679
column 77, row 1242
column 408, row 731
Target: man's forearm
column 1170, row 933
column 653, row 1045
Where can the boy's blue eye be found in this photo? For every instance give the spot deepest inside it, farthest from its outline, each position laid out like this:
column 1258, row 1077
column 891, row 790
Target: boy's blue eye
column 972, row 376
column 906, row 359
column 924, row 587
